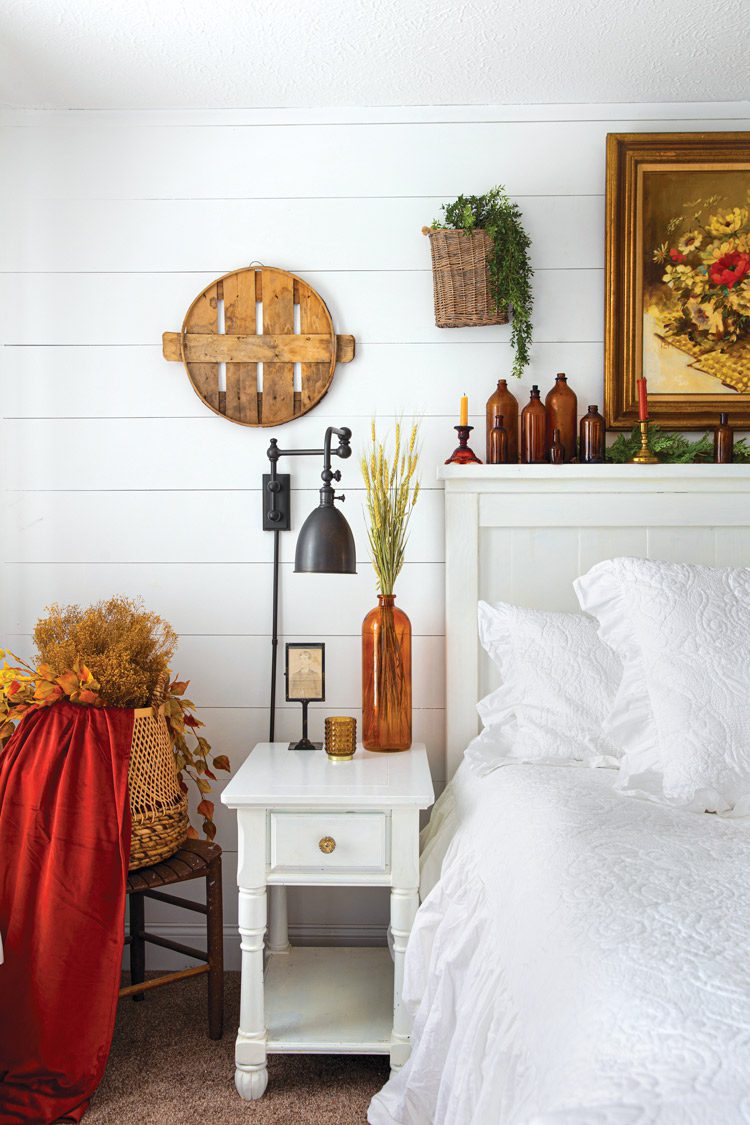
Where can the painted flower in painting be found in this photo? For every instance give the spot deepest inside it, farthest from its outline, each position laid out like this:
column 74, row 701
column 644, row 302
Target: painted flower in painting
column 727, row 222
column 739, row 299
column 703, row 304
column 679, row 277
column 729, row 269
column 690, row 242
column 705, row 317
column 718, row 249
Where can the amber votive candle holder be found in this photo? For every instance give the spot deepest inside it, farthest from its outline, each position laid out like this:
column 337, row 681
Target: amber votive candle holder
column 340, row 737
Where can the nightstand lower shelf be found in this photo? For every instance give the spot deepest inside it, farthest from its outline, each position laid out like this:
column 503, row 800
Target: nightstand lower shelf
column 329, row 1001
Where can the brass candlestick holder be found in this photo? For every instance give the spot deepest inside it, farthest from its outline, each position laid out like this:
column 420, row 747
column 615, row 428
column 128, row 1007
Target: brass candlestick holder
column 644, row 456
column 463, row 454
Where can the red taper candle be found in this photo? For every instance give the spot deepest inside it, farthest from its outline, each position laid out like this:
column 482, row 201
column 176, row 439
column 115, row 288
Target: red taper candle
column 642, row 400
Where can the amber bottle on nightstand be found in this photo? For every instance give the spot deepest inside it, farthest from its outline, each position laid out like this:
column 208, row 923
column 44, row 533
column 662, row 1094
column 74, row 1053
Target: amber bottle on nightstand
column 503, row 404
column 533, row 429
column 562, row 414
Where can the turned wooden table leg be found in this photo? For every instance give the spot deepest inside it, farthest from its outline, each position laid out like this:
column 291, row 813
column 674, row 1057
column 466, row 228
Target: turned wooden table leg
column 251, row 1074
column 278, row 927
column 404, row 906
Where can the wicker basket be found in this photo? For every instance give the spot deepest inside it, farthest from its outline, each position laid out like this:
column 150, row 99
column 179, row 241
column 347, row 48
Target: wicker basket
column 158, row 807
column 460, row 279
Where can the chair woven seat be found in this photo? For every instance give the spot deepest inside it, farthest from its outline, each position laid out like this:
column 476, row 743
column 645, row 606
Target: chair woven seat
column 188, row 862
column 196, row 859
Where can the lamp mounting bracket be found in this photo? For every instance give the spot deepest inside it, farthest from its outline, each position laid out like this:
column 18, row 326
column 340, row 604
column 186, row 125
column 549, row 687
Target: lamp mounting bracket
column 276, row 502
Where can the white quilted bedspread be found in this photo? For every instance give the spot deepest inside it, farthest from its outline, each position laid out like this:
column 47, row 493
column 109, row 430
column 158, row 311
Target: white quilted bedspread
column 584, row 959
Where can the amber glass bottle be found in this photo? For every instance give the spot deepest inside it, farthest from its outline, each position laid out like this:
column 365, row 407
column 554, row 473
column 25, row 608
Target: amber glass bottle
column 562, row 414
column 591, row 443
column 386, row 677
column 723, row 441
column 533, row 434
column 504, row 404
column 497, row 452
column 556, row 451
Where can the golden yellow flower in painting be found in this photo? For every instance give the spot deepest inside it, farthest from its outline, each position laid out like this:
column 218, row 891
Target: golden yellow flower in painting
column 718, row 249
column 739, row 299
column 727, row 222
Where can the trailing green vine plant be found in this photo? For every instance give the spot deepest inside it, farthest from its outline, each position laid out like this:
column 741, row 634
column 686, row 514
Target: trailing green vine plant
column 508, row 264
column 671, row 448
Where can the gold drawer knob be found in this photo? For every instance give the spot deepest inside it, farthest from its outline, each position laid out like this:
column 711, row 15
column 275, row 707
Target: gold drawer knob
column 327, row 844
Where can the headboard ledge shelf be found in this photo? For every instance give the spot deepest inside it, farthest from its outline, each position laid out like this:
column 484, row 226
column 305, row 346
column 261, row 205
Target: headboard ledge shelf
column 581, row 478
column 522, row 533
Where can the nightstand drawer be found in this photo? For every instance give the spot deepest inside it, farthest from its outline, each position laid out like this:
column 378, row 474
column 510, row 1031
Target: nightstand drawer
column 328, row 841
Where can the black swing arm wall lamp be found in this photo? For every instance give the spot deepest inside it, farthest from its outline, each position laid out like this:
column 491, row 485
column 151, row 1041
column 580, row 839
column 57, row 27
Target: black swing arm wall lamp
column 325, row 544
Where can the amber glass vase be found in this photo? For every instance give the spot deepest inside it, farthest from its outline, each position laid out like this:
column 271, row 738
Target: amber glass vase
column 386, row 677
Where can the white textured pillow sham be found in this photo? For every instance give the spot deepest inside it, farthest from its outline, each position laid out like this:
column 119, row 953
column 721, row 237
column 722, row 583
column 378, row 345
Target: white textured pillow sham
column 558, row 683
column 682, row 714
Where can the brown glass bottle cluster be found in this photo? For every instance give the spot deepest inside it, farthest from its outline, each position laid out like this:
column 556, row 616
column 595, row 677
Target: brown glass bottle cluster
column 549, row 430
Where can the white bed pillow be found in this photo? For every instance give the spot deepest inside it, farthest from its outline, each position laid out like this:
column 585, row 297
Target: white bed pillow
column 682, row 714
column 558, row 684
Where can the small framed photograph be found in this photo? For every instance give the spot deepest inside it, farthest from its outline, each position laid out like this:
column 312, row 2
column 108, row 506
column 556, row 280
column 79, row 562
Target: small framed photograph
column 305, row 672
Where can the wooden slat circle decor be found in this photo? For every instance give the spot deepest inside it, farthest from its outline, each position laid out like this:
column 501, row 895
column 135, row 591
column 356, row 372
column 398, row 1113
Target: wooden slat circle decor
column 242, row 337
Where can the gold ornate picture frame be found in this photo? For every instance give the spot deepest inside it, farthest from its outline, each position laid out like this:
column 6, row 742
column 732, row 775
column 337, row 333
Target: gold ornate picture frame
column 677, row 278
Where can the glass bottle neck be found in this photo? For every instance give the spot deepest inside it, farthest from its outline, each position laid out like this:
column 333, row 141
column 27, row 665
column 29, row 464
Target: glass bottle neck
column 386, row 599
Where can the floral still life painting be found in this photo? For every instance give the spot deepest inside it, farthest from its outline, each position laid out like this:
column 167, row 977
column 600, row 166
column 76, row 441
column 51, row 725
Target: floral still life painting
column 678, row 277
column 699, row 299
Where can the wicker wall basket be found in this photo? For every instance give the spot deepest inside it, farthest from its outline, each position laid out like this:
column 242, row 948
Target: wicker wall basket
column 158, row 807
column 460, row 279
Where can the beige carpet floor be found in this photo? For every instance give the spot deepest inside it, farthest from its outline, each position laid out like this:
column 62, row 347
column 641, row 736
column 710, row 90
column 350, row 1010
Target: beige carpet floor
column 164, row 1070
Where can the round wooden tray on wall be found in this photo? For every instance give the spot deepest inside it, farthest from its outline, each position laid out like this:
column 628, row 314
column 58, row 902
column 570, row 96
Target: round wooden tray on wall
column 259, row 346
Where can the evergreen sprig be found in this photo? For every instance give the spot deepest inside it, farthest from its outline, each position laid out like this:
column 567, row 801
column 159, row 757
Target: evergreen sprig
column 508, row 264
column 671, row 448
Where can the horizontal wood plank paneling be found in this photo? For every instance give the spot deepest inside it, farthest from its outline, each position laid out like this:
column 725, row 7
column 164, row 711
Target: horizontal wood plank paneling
column 413, row 158
column 223, row 598
column 121, row 481
column 376, row 307
column 80, row 381
column 196, row 453
column 641, row 113
column 381, row 234
column 231, row 671
column 158, row 526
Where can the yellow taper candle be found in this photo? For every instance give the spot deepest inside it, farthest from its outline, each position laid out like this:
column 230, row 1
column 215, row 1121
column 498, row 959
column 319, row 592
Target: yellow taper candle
column 464, row 417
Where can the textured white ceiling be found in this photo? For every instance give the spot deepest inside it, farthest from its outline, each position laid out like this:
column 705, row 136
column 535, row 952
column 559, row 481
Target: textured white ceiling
column 113, row 54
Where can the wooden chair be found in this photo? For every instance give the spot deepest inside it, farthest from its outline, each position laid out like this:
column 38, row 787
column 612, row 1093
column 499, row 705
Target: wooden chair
column 196, row 859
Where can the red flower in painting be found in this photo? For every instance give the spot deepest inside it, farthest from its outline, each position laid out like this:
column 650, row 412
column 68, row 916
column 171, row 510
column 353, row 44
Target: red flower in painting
column 729, row 269
column 676, row 256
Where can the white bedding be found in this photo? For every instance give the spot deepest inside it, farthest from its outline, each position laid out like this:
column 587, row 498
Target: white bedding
column 583, row 960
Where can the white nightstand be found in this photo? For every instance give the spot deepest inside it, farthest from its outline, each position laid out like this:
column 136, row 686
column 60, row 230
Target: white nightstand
column 303, row 820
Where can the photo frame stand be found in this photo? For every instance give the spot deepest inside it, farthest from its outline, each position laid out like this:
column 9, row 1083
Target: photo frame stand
column 305, row 743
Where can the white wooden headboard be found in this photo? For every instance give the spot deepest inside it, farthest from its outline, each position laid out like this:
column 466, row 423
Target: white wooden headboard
column 521, row 534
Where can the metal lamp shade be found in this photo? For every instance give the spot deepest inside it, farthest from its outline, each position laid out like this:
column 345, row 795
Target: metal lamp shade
column 325, row 544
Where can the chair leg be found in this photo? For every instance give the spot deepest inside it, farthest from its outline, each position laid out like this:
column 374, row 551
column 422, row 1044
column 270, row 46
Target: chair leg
column 215, row 943
column 137, row 944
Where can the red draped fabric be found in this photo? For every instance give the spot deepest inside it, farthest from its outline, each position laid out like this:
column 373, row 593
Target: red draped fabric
column 64, row 848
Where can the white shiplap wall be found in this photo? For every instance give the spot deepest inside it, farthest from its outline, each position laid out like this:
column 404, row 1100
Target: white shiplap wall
column 120, row 481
